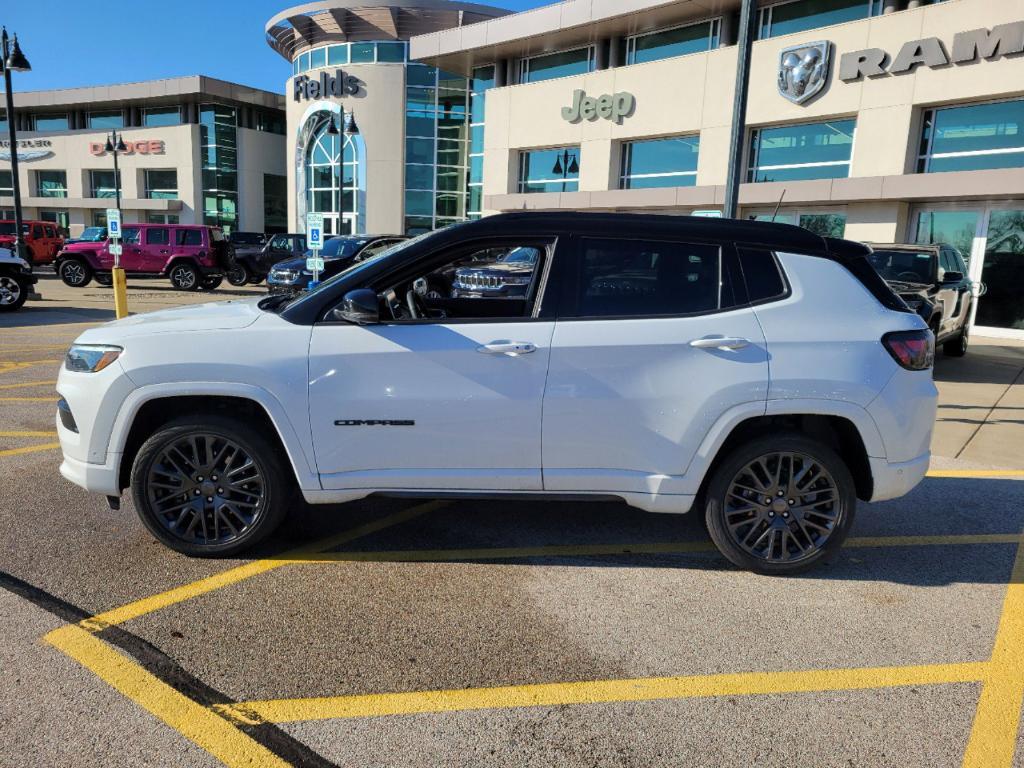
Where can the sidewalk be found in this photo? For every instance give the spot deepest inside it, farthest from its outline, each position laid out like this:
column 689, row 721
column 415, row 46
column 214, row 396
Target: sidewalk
column 980, row 422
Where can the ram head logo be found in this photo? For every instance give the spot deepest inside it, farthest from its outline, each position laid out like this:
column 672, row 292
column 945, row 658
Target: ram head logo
column 803, row 70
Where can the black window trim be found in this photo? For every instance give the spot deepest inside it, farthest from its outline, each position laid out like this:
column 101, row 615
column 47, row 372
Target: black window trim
column 787, row 288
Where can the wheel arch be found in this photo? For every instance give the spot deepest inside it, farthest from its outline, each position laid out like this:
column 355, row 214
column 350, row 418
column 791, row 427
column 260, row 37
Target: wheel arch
column 176, row 260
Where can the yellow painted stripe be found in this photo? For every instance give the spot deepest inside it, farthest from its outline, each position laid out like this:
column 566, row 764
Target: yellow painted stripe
column 978, row 473
column 997, row 719
column 25, row 384
column 247, row 571
column 197, row 723
column 16, row 433
column 29, row 449
column 17, row 365
column 50, row 399
column 933, row 541
column 605, row 691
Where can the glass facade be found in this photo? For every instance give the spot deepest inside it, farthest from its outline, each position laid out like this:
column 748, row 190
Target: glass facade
column 825, row 224
column 51, row 184
column 481, row 82
column 384, row 52
column 162, row 184
column 956, row 228
column 802, row 15
column 50, row 122
column 668, row 162
column 59, row 216
column 6, row 184
column 106, row 120
column 971, row 138
column 804, row 151
column 550, row 170
column 103, row 183
column 667, row 43
column 218, row 141
column 437, row 130
column 161, row 116
column 3, row 121
column 552, row 65
column 332, row 178
column 1003, row 271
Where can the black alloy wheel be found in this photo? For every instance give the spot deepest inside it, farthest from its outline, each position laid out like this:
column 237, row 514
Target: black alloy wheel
column 13, row 292
column 778, row 506
column 239, row 274
column 75, row 273
column 210, row 282
column 209, row 486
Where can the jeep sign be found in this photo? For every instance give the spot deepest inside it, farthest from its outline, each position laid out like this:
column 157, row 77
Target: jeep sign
column 326, row 85
column 607, row 107
column 1003, row 40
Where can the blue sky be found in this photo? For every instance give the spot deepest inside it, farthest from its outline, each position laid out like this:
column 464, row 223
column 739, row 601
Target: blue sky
column 87, row 42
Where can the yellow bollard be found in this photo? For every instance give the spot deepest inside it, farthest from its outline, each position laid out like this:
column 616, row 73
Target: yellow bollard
column 120, row 293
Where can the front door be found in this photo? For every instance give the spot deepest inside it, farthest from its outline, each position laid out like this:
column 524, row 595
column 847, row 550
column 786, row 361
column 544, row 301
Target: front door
column 645, row 358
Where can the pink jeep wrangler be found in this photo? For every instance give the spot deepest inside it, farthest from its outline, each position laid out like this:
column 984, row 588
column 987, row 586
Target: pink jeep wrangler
column 192, row 256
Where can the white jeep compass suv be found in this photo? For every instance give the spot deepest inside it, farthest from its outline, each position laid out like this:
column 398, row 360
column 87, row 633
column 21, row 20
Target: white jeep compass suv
column 757, row 370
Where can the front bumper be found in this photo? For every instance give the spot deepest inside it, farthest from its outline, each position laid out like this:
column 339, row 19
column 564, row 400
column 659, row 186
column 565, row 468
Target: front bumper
column 892, row 480
column 97, row 478
column 291, row 289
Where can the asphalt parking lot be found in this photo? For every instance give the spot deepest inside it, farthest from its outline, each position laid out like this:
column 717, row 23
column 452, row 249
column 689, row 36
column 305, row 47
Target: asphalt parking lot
column 408, row 633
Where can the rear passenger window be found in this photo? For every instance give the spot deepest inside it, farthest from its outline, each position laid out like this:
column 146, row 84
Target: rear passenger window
column 762, row 275
column 50, row 231
column 37, row 232
column 189, row 237
column 157, row 236
column 636, row 278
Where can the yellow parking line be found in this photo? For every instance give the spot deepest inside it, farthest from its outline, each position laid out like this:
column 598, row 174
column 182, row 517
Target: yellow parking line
column 602, row 692
column 997, row 719
column 14, row 433
column 978, row 473
column 29, row 449
column 197, row 723
column 234, row 575
column 25, row 384
column 50, row 399
column 17, row 365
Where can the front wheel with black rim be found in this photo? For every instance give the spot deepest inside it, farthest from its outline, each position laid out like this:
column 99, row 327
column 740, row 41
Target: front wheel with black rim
column 184, row 277
column 780, row 505
column 13, row 292
column 210, row 486
column 211, row 282
column 239, row 274
column 957, row 346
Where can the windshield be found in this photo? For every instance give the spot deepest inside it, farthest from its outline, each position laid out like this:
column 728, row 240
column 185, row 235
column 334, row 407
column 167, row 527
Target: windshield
column 94, row 234
column 525, row 256
column 904, row 266
column 341, row 247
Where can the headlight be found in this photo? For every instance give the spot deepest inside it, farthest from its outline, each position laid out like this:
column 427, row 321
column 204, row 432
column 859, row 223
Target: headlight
column 90, row 358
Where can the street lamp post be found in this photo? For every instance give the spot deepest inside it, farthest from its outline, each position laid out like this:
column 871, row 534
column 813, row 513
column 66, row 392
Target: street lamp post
column 13, row 60
column 565, row 164
column 115, row 145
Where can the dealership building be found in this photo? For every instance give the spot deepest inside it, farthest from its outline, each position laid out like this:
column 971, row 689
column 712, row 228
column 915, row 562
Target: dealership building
column 197, row 150
column 877, row 120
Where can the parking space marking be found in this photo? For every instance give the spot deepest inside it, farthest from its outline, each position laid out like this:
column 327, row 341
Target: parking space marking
column 997, row 718
column 26, row 384
column 17, row 365
column 976, row 473
column 29, row 449
column 50, row 399
column 199, row 724
column 16, row 433
column 607, row 691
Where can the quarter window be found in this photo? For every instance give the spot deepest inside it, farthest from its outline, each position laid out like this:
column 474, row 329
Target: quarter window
column 189, row 237
column 157, row 236
column 550, row 170
column 552, row 65
column 667, row 43
column 801, row 15
column 971, row 138
column 804, row 151
column 637, row 278
column 761, row 274
column 660, row 163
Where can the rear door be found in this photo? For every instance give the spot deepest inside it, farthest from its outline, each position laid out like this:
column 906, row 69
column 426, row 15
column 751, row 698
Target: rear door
column 156, row 249
column 654, row 342
column 188, row 243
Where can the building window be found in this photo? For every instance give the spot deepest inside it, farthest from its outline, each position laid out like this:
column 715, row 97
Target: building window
column 800, row 152
column 156, row 117
column 660, row 163
column 6, row 184
column 270, row 122
column 972, row 138
column 162, row 184
column 801, row 15
column 550, row 170
column 823, row 223
column 275, row 203
column 318, row 58
column 161, row 218
column 481, row 82
column 59, row 217
column 106, row 120
column 390, row 53
column 337, row 55
column 332, row 178
column 218, row 138
column 51, row 184
column 103, row 184
column 551, row 65
column 3, row 121
column 668, row 43
column 99, row 218
column 50, row 122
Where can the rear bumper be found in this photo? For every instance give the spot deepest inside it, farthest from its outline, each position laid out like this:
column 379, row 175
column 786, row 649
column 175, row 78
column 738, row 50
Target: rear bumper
column 895, row 479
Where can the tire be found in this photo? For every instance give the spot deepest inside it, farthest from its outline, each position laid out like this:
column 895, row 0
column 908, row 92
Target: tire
column 184, row 276
column 14, row 292
column 957, row 346
column 780, row 538
column 225, row 446
column 239, row 274
column 105, row 280
column 75, row 273
column 257, row 279
column 210, row 282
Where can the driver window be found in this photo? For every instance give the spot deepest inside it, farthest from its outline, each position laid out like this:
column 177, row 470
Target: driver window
column 497, row 281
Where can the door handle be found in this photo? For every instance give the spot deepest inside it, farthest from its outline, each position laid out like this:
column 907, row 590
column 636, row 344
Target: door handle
column 720, row 342
column 508, row 348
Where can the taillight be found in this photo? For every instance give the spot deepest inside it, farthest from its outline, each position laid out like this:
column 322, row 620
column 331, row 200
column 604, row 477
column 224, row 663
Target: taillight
column 913, row 350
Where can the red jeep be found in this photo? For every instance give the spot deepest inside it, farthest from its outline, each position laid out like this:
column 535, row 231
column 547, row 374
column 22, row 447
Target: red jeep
column 42, row 239
column 192, row 257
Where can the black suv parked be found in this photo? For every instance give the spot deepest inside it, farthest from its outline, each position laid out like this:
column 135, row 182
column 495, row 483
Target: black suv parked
column 932, row 280
column 338, row 253
column 253, row 262
column 508, row 275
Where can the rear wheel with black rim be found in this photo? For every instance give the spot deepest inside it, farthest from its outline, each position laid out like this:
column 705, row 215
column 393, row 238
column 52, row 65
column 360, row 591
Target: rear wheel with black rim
column 210, row 486
column 780, row 505
column 184, row 277
column 210, row 282
column 957, row 346
column 239, row 274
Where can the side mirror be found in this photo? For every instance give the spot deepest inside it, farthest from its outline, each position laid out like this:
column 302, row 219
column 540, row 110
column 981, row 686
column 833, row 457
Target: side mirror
column 952, row 277
column 360, row 307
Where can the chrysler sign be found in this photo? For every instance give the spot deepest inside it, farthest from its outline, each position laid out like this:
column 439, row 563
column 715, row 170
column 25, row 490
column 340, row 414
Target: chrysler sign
column 339, row 84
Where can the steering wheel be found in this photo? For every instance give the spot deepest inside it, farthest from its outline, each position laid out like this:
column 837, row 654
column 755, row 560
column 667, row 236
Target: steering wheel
column 415, row 305
column 911, row 277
